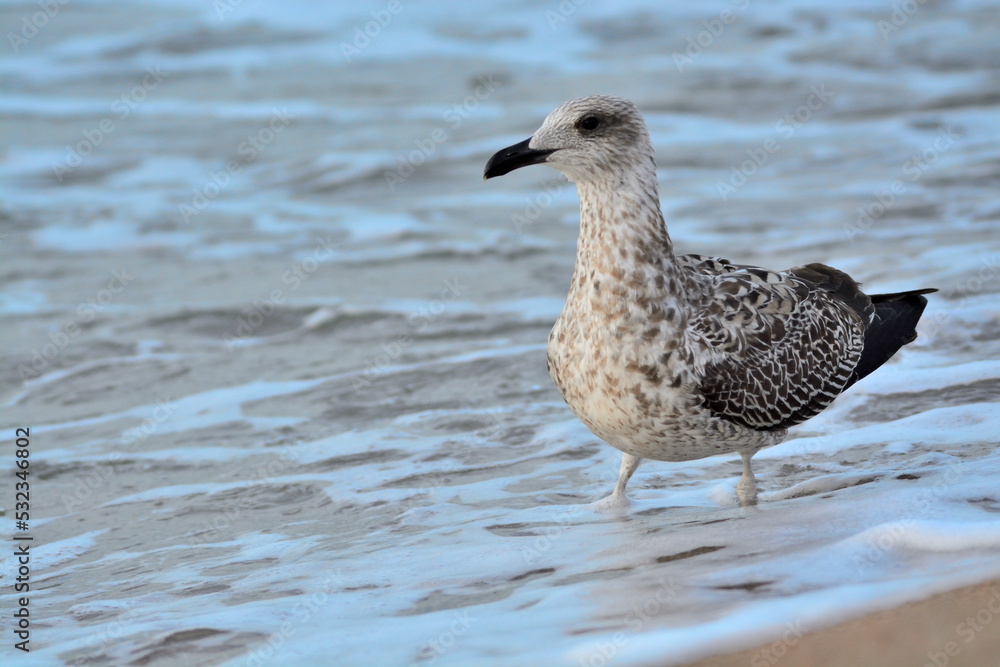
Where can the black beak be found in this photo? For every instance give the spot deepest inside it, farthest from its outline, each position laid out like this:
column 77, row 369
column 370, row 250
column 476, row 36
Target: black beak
column 514, row 157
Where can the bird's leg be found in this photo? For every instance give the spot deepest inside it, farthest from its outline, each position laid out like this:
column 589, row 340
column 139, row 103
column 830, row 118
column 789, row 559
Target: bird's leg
column 746, row 490
column 618, row 499
column 629, row 465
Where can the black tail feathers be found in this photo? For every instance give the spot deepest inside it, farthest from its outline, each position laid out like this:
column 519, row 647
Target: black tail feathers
column 893, row 326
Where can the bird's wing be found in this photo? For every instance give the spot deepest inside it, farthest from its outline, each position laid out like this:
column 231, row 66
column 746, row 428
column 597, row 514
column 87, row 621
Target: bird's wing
column 781, row 346
column 704, row 264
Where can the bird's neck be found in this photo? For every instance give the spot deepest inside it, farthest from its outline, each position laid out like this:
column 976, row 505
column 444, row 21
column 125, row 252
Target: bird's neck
column 622, row 231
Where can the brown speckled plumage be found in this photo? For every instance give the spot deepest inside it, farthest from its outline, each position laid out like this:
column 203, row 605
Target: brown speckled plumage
column 678, row 357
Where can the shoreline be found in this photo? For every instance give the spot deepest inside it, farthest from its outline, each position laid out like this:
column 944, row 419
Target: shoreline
column 957, row 627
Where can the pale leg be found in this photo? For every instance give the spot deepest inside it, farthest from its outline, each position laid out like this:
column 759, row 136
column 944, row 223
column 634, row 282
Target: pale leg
column 618, row 498
column 746, row 490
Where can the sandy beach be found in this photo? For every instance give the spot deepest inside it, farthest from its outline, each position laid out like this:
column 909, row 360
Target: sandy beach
column 958, row 628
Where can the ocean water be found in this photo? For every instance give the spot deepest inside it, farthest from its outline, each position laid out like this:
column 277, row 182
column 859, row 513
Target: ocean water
column 281, row 349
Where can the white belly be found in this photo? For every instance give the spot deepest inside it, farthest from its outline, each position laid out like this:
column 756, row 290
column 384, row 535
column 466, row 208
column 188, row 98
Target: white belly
column 619, row 389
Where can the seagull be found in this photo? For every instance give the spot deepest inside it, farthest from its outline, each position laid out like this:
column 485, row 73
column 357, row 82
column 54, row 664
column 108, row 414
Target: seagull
column 679, row 357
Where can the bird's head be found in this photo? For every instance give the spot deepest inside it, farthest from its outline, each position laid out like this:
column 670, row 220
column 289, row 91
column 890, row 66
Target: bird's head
column 588, row 139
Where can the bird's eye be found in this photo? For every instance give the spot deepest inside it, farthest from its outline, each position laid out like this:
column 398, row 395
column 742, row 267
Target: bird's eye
column 589, row 123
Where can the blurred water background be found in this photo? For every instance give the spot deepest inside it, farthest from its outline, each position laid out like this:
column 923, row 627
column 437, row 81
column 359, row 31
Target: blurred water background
column 281, row 350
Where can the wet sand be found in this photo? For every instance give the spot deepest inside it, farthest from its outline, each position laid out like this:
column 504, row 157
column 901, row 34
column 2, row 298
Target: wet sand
column 960, row 627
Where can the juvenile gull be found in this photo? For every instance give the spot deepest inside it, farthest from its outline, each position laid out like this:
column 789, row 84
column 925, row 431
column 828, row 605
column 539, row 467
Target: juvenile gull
column 679, row 357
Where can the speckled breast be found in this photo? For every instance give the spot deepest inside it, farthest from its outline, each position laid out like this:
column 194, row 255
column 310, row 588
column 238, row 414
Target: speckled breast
column 636, row 392
column 610, row 382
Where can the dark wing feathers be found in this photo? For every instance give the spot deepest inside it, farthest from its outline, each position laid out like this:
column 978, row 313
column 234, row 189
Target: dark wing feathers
column 894, row 325
column 785, row 345
column 838, row 285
